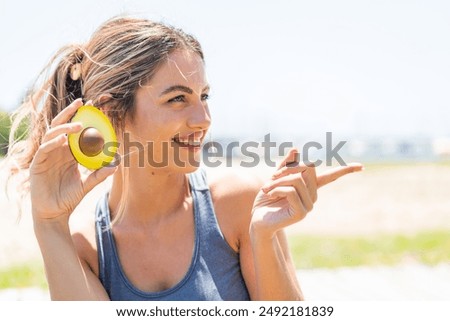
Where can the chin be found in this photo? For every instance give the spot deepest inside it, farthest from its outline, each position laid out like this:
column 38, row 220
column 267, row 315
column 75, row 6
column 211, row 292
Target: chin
column 187, row 162
column 182, row 166
column 188, row 168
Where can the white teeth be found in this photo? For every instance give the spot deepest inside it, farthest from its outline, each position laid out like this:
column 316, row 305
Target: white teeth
column 188, row 141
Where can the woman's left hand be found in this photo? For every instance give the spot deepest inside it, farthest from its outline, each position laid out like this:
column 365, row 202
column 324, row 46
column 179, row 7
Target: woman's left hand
column 291, row 194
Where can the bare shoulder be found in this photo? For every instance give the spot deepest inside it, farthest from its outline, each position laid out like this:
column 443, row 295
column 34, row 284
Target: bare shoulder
column 233, row 193
column 83, row 236
column 232, row 183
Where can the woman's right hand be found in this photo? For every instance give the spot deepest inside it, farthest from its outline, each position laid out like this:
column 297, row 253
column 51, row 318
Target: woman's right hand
column 56, row 184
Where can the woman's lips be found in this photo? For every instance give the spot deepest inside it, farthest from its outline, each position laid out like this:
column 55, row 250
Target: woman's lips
column 192, row 140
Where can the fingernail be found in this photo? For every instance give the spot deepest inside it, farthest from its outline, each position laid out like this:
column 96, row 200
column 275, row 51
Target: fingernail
column 111, row 169
column 292, row 164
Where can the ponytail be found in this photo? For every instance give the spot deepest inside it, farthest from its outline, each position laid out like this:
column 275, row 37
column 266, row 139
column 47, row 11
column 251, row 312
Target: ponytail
column 44, row 101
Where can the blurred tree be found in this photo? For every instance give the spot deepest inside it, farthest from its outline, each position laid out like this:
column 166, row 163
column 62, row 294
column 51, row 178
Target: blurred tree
column 5, row 127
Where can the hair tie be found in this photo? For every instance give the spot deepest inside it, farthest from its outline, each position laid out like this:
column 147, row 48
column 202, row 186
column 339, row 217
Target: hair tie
column 75, row 71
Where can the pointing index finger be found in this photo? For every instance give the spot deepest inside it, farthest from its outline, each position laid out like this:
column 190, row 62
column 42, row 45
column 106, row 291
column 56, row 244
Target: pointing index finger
column 335, row 173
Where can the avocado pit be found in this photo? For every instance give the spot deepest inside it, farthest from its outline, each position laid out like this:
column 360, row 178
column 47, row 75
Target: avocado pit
column 91, row 142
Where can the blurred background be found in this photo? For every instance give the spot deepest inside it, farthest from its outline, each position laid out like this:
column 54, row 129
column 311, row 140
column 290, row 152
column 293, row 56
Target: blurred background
column 374, row 73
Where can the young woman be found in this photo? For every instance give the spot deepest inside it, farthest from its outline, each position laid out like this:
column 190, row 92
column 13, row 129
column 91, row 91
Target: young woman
column 161, row 232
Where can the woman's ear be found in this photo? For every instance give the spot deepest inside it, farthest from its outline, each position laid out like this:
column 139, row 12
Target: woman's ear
column 106, row 104
column 103, row 102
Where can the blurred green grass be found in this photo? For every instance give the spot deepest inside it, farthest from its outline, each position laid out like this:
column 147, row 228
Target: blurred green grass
column 29, row 274
column 309, row 252
column 429, row 248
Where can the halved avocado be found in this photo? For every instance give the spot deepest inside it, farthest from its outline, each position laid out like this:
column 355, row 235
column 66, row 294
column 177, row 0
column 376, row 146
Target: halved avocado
column 96, row 144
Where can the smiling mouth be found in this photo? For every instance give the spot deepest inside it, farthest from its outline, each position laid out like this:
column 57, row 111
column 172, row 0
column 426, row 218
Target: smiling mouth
column 186, row 142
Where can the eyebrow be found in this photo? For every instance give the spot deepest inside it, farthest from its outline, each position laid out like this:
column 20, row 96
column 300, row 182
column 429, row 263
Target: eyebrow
column 180, row 88
column 177, row 88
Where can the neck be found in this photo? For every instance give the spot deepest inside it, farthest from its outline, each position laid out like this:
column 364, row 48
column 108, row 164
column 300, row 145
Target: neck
column 150, row 196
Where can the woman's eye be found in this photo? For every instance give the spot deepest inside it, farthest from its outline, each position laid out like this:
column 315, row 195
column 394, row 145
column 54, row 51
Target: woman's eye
column 182, row 98
column 177, row 99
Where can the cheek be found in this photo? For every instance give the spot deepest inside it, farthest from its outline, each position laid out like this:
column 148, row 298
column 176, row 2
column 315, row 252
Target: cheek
column 156, row 127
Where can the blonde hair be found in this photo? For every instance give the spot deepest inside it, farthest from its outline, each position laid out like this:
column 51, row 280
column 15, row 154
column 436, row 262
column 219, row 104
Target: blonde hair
column 122, row 54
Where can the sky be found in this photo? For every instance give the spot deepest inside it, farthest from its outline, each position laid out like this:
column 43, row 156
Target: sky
column 356, row 68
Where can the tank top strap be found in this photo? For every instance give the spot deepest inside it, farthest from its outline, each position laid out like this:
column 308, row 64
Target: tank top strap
column 208, row 229
column 202, row 202
column 198, row 180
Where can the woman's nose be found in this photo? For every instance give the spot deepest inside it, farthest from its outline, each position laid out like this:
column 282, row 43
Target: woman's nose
column 200, row 117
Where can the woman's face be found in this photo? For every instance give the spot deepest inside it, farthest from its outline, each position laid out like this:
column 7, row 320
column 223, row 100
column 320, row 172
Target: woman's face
column 171, row 116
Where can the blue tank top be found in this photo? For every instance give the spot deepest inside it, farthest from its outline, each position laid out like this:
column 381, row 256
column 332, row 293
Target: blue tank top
column 214, row 273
